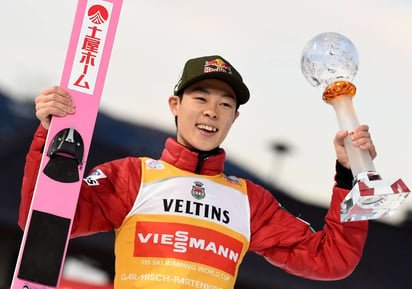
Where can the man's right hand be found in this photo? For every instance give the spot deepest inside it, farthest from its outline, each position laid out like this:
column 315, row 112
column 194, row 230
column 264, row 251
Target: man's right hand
column 53, row 101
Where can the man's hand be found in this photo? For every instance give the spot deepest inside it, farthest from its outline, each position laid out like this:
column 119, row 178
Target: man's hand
column 53, row 101
column 360, row 138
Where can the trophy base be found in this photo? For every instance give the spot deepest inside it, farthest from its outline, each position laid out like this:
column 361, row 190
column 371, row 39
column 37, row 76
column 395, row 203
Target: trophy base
column 372, row 198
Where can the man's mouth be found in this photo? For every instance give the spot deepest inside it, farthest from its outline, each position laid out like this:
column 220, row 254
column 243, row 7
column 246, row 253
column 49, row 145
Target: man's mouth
column 206, row 128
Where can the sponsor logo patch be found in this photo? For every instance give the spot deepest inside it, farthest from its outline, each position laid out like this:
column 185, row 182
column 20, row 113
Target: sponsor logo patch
column 92, row 179
column 198, row 192
column 187, row 242
column 154, row 164
column 217, row 65
column 233, row 179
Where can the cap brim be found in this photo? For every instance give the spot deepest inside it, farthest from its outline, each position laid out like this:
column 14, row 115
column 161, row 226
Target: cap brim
column 241, row 90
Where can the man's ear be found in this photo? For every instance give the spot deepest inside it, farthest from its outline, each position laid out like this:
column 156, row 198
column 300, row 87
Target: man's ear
column 173, row 104
column 236, row 116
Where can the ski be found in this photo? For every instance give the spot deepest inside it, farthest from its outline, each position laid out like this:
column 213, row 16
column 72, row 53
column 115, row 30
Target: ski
column 46, row 236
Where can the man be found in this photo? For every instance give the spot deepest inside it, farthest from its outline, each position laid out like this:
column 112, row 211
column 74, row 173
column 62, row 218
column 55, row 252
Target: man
column 179, row 221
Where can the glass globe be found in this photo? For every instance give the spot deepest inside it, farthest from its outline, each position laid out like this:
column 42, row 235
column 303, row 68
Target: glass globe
column 329, row 57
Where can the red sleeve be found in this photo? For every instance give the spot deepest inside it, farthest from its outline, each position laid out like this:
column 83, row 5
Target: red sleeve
column 31, row 170
column 104, row 199
column 106, row 196
column 290, row 243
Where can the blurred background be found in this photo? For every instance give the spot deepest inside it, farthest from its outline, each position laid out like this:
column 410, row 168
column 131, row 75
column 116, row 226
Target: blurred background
column 285, row 122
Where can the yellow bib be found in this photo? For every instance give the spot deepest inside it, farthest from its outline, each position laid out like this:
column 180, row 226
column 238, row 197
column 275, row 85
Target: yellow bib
column 184, row 231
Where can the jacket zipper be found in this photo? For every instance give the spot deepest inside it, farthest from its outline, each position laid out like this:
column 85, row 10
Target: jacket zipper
column 200, row 160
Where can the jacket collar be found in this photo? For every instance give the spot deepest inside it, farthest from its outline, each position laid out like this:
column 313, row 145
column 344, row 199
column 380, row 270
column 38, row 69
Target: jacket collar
column 185, row 159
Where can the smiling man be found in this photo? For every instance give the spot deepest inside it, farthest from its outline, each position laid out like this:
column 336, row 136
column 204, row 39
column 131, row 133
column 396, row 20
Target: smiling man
column 180, row 222
column 206, row 112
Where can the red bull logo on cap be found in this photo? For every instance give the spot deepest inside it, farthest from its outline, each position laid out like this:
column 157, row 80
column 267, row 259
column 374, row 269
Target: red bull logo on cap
column 217, row 65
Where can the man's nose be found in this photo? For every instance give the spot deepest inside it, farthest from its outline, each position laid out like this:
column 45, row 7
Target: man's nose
column 211, row 111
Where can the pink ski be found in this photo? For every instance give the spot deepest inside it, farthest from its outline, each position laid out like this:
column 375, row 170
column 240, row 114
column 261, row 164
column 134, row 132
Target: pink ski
column 44, row 244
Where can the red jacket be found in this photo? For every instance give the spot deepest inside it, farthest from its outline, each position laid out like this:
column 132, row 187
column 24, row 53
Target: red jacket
column 284, row 240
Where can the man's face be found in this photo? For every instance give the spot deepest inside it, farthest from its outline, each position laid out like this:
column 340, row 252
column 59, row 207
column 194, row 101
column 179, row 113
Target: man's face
column 205, row 114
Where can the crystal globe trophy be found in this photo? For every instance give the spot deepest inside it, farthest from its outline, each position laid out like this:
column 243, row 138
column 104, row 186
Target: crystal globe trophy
column 330, row 61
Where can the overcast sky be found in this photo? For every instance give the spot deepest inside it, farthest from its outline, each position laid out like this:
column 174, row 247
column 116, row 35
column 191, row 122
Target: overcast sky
column 264, row 40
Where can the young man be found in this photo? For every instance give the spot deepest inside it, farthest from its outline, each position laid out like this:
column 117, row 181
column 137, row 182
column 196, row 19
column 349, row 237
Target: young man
column 180, row 221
